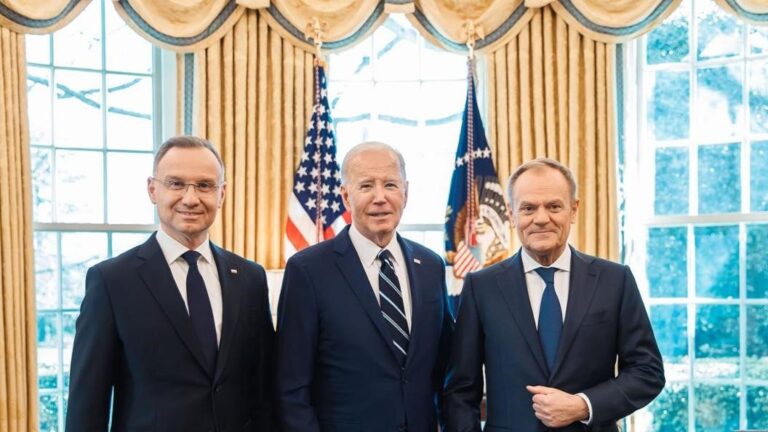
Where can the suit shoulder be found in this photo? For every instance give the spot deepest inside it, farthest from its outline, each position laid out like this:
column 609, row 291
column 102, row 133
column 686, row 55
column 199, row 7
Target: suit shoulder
column 318, row 252
column 241, row 261
column 423, row 252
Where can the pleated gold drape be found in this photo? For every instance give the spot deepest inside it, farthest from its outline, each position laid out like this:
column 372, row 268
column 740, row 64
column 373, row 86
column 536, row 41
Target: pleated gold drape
column 252, row 98
column 18, row 377
column 551, row 93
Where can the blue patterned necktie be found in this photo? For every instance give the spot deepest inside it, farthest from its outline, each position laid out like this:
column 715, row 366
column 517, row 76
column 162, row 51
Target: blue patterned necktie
column 200, row 311
column 391, row 301
column 550, row 317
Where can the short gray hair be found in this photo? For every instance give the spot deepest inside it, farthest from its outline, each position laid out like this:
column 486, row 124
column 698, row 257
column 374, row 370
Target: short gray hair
column 370, row 145
column 541, row 163
column 185, row 141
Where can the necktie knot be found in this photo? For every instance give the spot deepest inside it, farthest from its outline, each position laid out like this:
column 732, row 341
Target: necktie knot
column 385, row 256
column 547, row 273
column 191, row 257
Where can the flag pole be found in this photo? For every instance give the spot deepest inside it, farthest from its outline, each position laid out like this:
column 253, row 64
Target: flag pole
column 470, row 234
column 317, row 38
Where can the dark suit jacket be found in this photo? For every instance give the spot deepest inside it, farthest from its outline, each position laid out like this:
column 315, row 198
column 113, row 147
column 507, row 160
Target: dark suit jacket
column 605, row 317
column 337, row 369
column 134, row 336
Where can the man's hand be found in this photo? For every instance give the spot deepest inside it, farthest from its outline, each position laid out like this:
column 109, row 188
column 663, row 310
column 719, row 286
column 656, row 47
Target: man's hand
column 556, row 408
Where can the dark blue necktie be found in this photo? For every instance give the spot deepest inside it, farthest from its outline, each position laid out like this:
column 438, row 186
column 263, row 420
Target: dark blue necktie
column 550, row 317
column 200, row 311
column 391, row 300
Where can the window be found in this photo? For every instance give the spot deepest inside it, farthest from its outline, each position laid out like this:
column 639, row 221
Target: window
column 698, row 229
column 397, row 88
column 92, row 91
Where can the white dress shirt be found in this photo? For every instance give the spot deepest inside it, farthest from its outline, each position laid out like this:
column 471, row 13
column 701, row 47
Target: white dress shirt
column 536, row 285
column 172, row 250
column 367, row 251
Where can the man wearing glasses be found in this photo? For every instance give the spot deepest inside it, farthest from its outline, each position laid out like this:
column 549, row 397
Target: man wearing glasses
column 175, row 334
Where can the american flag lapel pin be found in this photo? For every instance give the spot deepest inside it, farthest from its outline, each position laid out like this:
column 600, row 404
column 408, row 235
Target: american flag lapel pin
column 417, row 261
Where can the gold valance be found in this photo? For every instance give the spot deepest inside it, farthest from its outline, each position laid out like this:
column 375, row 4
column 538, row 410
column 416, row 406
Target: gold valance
column 752, row 11
column 39, row 16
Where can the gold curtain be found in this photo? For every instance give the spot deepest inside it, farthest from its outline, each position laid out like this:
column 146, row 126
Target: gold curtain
column 252, row 98
column 18, row 365
column 551, row 93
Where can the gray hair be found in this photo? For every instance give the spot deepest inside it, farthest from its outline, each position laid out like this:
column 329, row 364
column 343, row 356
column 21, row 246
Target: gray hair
column 537, row 164
column 370, row 145
column 185, row 141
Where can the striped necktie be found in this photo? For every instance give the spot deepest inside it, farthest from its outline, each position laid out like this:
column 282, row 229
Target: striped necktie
column 391, row 300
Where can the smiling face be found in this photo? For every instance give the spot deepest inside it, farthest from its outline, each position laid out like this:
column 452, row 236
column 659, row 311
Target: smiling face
column 542, row 212
column 187, row 214
column 375, row 191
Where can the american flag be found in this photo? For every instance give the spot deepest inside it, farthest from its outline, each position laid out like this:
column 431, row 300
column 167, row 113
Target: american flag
column 315, row 209
column 477, row 227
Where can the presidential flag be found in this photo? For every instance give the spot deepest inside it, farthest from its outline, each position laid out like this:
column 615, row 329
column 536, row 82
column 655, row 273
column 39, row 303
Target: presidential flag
column 477, row 227
column 315, row 209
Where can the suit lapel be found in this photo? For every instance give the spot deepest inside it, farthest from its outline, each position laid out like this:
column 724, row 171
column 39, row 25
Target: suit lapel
column 156, row 274
column 349, row 265
column 414, row 282
column 582, row 287
column 231, row 292
column 514, row 290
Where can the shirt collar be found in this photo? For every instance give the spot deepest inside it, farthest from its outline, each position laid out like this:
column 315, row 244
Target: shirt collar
column 563, row 262
column 172, row 249
column 368, row 250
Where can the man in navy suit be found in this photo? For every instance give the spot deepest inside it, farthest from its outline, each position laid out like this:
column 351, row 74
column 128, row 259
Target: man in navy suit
column 549, row 324
column 363, row 321
column 175, row 334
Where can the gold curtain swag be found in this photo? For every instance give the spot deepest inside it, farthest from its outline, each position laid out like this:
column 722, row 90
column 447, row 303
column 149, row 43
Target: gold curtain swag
column 252, row 98
column 18, row 364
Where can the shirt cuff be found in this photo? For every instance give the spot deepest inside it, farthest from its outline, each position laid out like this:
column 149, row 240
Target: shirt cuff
column 589, row 407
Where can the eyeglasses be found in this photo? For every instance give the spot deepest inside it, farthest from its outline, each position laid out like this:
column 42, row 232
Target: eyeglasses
column 203, row 188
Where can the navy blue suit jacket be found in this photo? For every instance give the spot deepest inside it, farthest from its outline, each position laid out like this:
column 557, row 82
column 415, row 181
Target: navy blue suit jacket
column 337, row 369
column 134, row 336
column 605, row 318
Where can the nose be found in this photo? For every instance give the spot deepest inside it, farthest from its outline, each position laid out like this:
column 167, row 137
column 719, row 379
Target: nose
column 379, row 194
column 541, row 217
column 190, row 197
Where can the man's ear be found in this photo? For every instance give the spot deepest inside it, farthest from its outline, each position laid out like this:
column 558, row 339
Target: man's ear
column 151, row 190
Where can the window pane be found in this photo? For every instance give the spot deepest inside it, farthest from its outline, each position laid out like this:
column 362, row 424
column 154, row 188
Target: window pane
column 719, row 106
column 722, row 37
column 717, row 341
column 78, row 44
column 46, row 270
column 42, row 188
column 668, row 105
column 667, row 262
column 757, row 342
column 352, row 64
column 48, row 344
column 717, row 408
column 121, row 39
column 439, row 64
column 38, row 48
column 68, row 320
column 717, row 261
column 758, row 97
column 49, row 412
column 670, row 325
column 758, row 172
column 39, row 104
column 395, row 46
column 719, row 179
column 128, row 201
column 77, row 103
column 129, row 112
column 79, row 251
column 669, row 41
column 757, row 408
column 79, row 186
column 671, row 181
column 121, row 242
column 670, row 409
column 758, row 40
column 757, row 261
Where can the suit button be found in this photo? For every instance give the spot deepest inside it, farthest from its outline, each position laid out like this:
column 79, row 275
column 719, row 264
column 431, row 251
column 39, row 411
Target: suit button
column 217, row 389
column 403, row 379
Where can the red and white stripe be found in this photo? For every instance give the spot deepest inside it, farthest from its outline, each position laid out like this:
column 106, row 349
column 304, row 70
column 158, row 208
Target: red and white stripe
column 301, row 231
column 464, row 262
